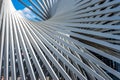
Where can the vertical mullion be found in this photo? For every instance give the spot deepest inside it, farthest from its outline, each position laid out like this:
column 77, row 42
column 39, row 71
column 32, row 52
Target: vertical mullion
column 7, row 47
column 24, row 48
column 2, row 42
column 32, row 53
column 43, row 58
column 13, row 68
column 18, row 51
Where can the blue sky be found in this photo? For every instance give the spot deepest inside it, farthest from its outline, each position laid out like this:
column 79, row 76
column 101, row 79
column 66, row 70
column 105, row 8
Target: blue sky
column 17, row 4
column 25, row 12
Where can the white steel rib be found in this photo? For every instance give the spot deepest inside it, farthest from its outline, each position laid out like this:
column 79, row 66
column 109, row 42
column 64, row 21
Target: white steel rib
column 75, row 40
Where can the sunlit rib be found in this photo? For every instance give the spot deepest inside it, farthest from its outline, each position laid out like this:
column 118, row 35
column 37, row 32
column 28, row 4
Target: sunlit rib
column 75, row 40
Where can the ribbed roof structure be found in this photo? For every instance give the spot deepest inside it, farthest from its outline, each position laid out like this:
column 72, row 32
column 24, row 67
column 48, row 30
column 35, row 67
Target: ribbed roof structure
column 76, row 40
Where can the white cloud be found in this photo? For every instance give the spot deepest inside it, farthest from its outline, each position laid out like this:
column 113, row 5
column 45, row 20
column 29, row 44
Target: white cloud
column 27, row 13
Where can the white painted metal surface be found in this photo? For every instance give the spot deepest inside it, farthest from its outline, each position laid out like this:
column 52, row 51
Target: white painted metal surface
column 76, row 40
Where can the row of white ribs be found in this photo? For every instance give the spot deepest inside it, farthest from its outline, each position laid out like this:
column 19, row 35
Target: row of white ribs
column 75, row 40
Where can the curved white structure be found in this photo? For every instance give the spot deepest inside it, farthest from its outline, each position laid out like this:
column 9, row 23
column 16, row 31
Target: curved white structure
column 76, row 40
